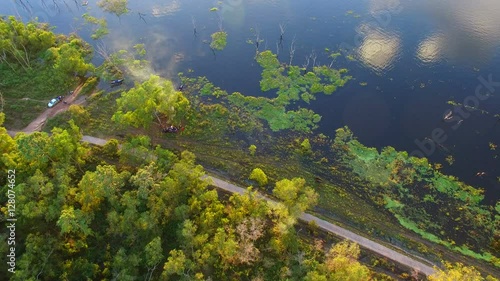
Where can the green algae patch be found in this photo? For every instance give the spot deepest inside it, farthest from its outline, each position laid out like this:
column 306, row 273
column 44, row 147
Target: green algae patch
column 219, row 40
column 438, row 207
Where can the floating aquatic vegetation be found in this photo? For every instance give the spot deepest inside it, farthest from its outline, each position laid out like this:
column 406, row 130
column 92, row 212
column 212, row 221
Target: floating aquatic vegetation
column 291, row 83
column 450, row 159
column 219, row 40
column 117, row 7
column 294, row 83
column 439, row 207
column 492, row 146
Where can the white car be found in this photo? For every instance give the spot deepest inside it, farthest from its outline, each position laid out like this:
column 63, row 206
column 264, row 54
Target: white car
column 54, row 101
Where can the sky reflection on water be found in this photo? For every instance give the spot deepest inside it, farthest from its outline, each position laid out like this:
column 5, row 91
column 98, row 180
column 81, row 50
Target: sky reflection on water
column 414, row 56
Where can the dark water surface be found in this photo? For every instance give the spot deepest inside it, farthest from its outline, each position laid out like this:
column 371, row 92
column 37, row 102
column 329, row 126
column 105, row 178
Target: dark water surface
column 414, row 56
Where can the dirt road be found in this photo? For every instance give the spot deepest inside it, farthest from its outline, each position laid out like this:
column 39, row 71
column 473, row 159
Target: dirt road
column 37, row 124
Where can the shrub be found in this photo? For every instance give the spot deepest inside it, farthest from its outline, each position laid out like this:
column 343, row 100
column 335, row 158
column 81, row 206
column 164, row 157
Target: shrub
column 259, row 176
column 252, row 148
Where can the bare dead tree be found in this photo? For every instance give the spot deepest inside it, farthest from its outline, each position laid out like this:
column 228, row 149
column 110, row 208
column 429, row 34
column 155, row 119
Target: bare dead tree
column 331, row 63
column 57, row 6
column 141, row 16
column 102, row 50
column 23, row 58
column 306, row 64
column 219, row 23
column 277, row 49
column 292, row 50
column 194, row 25
column 282, row 30
column 314, row 57
column 257, row 38
column 68, row 7
column 28, row 9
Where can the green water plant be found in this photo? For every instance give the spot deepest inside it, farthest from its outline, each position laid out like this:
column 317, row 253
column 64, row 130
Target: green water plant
column 439, row 207
column 219, row 40
column 117, row 7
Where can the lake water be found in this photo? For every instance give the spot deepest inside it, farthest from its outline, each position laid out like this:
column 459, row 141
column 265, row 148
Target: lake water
column 414, row 56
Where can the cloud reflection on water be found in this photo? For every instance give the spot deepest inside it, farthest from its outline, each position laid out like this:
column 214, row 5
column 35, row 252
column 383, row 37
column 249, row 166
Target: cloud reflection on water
column 470, row 30
column 379, row 49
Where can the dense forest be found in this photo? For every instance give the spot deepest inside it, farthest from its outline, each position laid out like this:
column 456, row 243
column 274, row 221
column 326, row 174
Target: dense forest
column 134, row 209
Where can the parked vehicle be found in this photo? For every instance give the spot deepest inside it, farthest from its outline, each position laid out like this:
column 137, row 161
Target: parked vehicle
column 54, row 101
column 117, row 82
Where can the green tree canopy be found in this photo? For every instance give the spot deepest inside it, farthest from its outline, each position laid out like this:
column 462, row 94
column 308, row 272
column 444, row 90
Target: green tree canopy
column 259, row 176
column 152, row 100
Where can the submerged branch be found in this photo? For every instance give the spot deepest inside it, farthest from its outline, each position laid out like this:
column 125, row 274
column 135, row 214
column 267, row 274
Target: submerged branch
column 292, row 50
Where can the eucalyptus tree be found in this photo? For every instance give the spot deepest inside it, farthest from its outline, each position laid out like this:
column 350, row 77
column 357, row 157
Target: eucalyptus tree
column 155, row 99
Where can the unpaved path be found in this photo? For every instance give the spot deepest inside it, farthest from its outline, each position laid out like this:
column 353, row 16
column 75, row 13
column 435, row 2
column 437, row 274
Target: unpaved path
column 37, row 124
column 407, row 261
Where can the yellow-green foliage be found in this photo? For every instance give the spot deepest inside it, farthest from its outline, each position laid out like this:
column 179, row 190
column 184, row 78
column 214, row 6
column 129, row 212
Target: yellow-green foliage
column 290, row 85
column 142, row 105
column 101, row 28
column 219, row 40
column 306, row 146
column 110, row 149
column 252, row 149
column 438, row 207
column 259, row 176
column 89, row 85
column 458, row 272
column 117, row 7
column 341, row 264
column 79, row 114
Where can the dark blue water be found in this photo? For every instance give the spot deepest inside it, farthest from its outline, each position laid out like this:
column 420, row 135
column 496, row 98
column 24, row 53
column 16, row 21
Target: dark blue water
column 414, row 56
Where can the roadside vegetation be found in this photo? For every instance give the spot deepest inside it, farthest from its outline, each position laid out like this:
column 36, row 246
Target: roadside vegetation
column 37, row 65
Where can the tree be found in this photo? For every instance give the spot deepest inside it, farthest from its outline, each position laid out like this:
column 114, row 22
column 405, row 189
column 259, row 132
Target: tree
column 456, row 272
column 154, row 255
column 7, row 147
column 259, row 176
column 149, row 101
column 94, row 187
column 341, row 264
column 252, row 149
column 296, row 196
column 21, row 43
column 71, row 58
